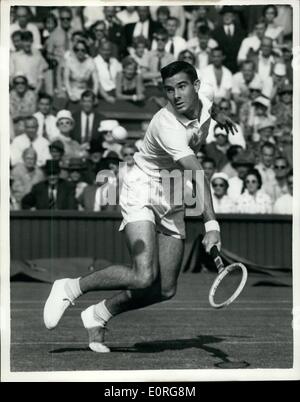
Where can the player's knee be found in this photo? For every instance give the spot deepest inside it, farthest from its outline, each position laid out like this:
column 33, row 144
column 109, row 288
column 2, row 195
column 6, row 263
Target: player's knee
column 145, row 278
column 168, row 293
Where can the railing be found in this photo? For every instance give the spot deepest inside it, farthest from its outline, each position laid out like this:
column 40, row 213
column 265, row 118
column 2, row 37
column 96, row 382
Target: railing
column 263, row 239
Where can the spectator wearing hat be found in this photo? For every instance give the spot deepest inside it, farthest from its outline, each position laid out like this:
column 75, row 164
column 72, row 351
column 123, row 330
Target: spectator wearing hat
column 266, row 166
column 22, row 99
column 29, row 139
column 175, row 44
column 261, row 114
column 75, row 169
column 129, row 83
column 86, row 119
column 27, row 172
column 251, row 44
column 253, row 199
column 157, row 59
column 283, row 108
column 30, row 61
column 201, row 46
column 23, row 23
column 79, row 72
column 265, row 131
column 242, row 81
column 53, row 193
column 221, row 201
column 106, row 129
column 46, row 120
column 107, row 69
column 284, row 204
column 229, row 36
column 273, row 31
column 217, row 75
column 246, row 111
column 65, row 124
column 243, row 162
column 232, row 154
column 145, row 27
column 218, row 148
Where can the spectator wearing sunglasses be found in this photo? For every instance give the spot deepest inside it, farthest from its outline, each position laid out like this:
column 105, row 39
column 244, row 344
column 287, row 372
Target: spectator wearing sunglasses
column 280, row 187
column 253, row 199
column 221, row 201
column 284, row 204
column 22, row 99
column 79, row 71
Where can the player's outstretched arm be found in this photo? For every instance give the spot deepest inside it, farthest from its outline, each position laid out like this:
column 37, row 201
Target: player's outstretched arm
column 204, row 200
column 223, row 120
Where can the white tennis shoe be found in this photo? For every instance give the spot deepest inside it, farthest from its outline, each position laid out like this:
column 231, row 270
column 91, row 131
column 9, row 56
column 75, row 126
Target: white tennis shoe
column 56, row 304
column 95, row 330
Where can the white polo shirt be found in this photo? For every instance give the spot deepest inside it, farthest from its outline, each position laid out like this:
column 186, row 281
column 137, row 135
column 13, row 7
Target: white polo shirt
column 171, row 136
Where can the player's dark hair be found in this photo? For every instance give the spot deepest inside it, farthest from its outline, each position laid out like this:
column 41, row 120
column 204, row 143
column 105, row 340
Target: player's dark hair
column 253, row 172
column 207, row 159
column 179, row 67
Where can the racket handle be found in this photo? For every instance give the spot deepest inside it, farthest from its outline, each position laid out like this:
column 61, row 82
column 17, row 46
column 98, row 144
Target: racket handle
column 214, row 252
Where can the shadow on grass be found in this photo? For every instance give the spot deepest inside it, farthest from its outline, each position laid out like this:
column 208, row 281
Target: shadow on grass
column 200, row 342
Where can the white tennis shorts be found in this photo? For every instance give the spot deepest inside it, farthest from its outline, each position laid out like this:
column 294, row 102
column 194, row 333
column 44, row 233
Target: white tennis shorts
column 144, row 198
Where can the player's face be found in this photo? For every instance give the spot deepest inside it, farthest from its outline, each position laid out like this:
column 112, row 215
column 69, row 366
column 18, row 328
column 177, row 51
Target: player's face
column 182, row 93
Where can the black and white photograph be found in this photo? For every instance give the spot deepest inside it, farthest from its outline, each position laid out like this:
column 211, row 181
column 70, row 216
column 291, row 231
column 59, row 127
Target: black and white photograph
column 149, row 225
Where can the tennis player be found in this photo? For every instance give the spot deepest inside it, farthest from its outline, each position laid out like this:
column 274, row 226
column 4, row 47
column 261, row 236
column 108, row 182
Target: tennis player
column 153, row 223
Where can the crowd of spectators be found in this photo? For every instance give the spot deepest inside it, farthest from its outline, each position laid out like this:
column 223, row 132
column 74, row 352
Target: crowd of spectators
column 69, row 65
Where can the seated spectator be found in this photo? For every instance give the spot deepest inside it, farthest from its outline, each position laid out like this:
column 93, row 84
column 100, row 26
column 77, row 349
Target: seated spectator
column 139, row 52
column 287, row 57
column 107, row 68
column 221, row 202
column 79, row 72
column 128, row 15
column 115, row 31
column 30, row 62
column 273, row 31
column 18, row 126
column 281, row 169
column 284, row 146
column 229, row 36
column 110, row 143
column 253, row 200
column 162, row 15
column 217, row 149
column 65, row 124
column 16, row 38
column 129, row 84
column 243, row 81
column 145, row 27
column 209, row 167
column 232, row 155
column 217, row 75
column 157, row 59
column 127, row 153
column 261, row 114
column 175, row 11
column 265, row 130
column 266, row 166
column 265, row 59
column 243, row 162
column 246, row 111
column 50, row 23
column 189, row 57
column 52, row 193
column 16, row 193
column 75, row 177
column 22, row 100
column 284, row 204
column 201, row 46
column 225, row 106
column 276, row 82
column 29, row 139
column 98, row 35
column 27, row 172
column 251, row 45
column 198, row 13
column 46, row 121
column 22, row 24
column 57, row 150
column 93, row 161
column 175, row 44
column 283, row 109
column 86, row 119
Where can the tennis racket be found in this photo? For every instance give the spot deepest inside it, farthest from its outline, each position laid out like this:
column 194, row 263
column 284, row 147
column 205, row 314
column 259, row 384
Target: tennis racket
column 228, row 284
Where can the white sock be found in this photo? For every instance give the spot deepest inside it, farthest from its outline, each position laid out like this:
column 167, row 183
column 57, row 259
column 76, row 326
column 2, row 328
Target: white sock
column 72, row 288
column 101, row 314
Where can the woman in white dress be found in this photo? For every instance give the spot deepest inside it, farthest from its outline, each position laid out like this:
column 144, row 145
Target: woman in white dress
column 273, row 30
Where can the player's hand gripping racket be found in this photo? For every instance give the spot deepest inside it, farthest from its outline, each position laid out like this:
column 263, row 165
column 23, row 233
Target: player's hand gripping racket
column 228, row 284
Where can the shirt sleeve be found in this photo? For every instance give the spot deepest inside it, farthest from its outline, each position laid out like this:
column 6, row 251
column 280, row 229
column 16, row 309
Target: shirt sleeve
column 171, row 137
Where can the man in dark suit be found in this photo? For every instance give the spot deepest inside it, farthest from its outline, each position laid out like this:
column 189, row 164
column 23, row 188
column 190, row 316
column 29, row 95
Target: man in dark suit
column 115, row 31
column 53, row 193
column 86, row 120
column 229, row 36
column 146, row 27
